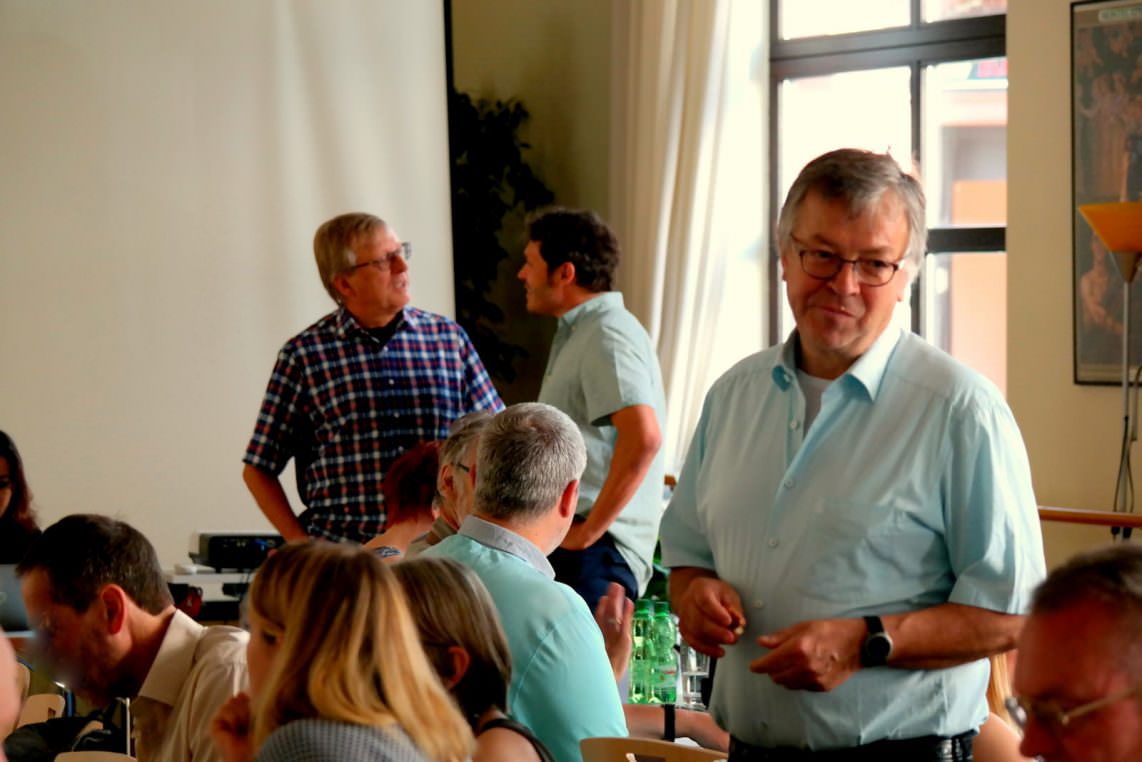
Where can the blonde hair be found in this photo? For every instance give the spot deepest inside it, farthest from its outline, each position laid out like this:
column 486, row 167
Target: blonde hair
column 333, row 245
column 452, row 607
column 999, row 687
column 348, row 650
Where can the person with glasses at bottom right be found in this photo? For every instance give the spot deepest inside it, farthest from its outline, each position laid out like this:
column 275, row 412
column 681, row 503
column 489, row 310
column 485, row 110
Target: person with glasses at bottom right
column 1078, row 678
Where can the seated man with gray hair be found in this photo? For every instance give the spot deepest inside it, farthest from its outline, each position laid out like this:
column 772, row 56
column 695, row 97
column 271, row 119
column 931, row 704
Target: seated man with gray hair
column 528, row 464
column 1078, row 679
column 454, row 482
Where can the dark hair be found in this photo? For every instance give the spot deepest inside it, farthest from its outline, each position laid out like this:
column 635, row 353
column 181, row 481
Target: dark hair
column 82, row 553
column 1110, row 577
column 409, row 486
column 20, row 506
column 581, row 238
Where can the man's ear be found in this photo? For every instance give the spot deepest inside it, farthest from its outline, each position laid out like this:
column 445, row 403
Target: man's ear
column 569, row 499
column 113, row 600
column 342, row 285
column 444, row 481
column 565, row 274
column 460, row 662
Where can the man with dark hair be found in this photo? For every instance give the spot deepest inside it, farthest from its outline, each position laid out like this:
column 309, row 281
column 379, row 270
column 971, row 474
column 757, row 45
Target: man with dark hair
column 528, row 464
column 352, row 392
column 96, row 596
column 1078, row 678
column 854, row 529
column 603, row 372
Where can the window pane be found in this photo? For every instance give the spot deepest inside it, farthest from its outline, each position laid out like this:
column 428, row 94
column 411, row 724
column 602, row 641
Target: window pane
column 942, row 10
column 813, row 18
column 964, row 159
column 861, row 109
column 965, row 296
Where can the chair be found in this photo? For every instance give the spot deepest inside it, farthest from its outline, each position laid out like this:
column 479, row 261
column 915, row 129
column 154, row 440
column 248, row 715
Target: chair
column 41, row 707
column 93, row 756
column 616, row 749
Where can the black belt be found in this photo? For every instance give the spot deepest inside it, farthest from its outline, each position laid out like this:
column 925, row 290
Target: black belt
column 924, row 749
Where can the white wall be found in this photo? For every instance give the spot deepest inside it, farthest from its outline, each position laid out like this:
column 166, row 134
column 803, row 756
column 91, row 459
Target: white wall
column 164, row 166
column 1072, row 432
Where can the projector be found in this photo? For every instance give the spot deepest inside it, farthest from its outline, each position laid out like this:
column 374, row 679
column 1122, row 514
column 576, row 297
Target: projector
column 239, row 551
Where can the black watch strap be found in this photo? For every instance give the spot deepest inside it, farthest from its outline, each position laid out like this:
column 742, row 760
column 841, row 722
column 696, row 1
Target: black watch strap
column 668, row 718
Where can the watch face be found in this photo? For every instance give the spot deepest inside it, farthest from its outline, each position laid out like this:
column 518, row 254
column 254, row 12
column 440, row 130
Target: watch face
column 879, row 645
column 877, row 648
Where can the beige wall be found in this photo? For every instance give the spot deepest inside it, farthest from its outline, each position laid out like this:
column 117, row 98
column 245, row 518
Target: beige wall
column 1072, row 432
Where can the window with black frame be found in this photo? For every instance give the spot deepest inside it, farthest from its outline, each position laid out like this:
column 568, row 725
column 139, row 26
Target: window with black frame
column 925, row 80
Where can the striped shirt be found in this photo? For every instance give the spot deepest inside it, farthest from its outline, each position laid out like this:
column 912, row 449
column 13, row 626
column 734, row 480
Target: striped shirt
column 346, row 404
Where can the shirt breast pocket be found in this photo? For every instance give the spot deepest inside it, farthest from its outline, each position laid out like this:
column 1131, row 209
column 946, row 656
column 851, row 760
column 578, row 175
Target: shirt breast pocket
column 870, row 555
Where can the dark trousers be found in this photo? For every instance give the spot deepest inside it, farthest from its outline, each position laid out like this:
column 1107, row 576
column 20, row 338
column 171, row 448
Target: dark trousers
column 589, row 571
column 926, row 749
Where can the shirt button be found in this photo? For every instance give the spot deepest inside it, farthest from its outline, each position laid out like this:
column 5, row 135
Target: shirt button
column 392, row 382
column 793, row 425
column 788, row 484
column 758, row 604
column 774, row 542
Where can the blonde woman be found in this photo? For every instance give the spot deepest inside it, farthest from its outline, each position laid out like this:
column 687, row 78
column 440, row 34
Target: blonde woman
column 463, row 638
column 998, row 740
column 336, row 668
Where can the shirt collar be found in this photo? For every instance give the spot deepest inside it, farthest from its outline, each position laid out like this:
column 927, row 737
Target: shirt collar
column 868, row 370
column 346, row 324
column 496, row 536
column 174, row 660
column 602, row 302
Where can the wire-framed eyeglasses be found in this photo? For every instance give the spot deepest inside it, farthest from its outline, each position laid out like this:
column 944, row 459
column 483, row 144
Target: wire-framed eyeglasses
column 825, row 265
column 1052, row 716
column 385, row 261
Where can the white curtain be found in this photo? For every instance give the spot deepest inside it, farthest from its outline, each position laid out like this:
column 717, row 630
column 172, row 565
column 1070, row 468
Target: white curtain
column 686, row 179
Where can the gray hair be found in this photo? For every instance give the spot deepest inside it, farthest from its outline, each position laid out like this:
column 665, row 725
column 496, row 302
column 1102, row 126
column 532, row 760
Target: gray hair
column 462, row 434
column 333, row 245
column 528, row 455
column 1111, row 577
column 858, row 179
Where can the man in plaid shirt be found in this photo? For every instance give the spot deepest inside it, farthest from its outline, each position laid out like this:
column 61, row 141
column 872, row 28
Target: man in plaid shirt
column 357, row 388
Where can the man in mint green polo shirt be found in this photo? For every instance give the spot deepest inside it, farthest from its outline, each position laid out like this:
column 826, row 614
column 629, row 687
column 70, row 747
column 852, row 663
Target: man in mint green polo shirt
column 528, row 463
column 603, row 372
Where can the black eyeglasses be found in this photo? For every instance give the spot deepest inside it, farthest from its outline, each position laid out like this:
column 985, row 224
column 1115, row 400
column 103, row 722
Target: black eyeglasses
column 1050, row 715
column 825, row 265
column 385, row 261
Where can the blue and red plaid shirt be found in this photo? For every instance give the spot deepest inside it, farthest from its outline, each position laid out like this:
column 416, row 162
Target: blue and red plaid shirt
column 346, row 405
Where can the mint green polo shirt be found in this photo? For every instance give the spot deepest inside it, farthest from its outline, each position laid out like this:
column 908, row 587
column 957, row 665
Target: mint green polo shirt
column 602, row 361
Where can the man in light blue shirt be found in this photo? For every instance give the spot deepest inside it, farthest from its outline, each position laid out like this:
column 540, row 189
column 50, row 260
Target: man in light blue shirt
column 528, row 463
column 854, row 529
column 603, row 372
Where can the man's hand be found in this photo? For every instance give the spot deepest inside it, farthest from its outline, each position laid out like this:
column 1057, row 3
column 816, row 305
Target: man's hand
column 709, row 614
column 614, row 615
column 812, row 656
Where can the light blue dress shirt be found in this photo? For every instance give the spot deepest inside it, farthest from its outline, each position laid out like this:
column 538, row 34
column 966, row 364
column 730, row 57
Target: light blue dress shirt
column 562, row 684
column 911, row 489
column 602, row 361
